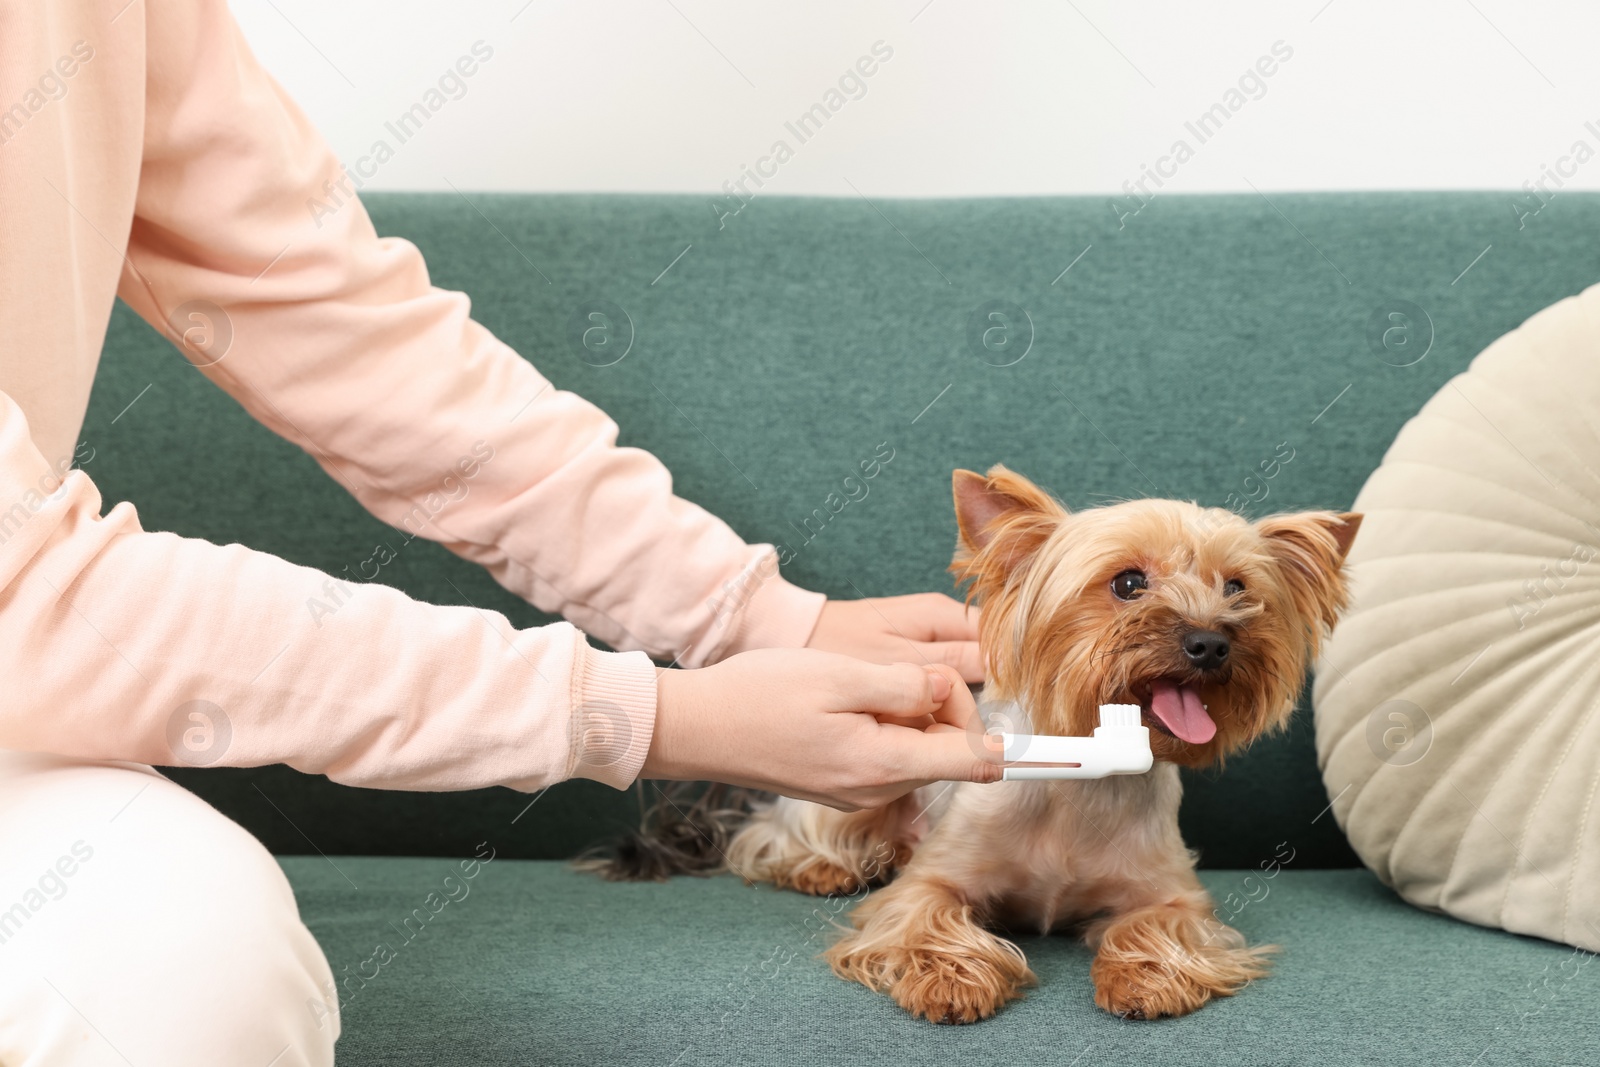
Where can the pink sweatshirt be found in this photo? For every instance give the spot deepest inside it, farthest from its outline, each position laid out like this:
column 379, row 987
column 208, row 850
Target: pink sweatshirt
column 144, row 153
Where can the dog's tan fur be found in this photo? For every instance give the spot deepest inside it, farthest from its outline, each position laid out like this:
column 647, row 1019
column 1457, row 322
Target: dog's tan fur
column 1101, row 856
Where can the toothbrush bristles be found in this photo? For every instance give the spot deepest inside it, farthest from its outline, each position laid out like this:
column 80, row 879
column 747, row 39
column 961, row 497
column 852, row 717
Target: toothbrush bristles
column 1119, row 714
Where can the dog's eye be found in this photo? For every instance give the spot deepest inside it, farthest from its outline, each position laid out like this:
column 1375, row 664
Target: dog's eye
column 1232, row 587
column 1128, row 585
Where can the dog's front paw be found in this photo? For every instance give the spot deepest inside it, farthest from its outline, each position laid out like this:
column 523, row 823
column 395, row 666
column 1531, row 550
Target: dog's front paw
column 922, row 942
column 942, row 984
column 954, row 989
column 1146, row 989
column 1166, row 961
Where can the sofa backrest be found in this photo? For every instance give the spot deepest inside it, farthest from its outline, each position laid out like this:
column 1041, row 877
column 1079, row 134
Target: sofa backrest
column 1107, row 350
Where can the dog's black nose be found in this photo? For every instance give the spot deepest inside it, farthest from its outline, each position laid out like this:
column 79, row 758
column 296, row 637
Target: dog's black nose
column 1206, row 649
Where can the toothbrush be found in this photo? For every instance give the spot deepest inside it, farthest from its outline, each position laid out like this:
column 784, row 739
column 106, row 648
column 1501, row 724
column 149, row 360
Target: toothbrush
column 1120, row 745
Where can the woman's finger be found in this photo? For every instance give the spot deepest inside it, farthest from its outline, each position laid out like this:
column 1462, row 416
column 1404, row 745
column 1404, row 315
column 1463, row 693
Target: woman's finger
column 943, row 618
column 964, row 656
column 895, row 690
column 959, row 709
column 940, row 755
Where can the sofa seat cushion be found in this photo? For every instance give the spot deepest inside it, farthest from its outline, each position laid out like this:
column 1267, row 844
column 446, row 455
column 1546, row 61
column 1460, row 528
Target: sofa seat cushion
column 534, row 963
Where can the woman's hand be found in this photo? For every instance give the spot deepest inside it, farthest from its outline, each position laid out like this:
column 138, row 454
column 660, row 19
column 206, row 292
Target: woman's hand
column 818, row 726
column 920, row 628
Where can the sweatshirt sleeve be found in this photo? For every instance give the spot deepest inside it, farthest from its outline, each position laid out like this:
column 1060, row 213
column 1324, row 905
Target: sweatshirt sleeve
column 250, row 251
column 122, row 644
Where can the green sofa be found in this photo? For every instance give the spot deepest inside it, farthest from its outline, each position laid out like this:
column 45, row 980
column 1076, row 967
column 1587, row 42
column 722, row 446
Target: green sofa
column 1165, row 352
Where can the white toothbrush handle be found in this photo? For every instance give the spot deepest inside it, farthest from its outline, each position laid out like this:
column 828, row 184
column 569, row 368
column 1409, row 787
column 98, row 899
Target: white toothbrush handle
column 1120, row 745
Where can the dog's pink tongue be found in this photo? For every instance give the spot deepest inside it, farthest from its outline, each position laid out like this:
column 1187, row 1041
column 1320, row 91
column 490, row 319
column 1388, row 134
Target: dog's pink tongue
column 1179, row 708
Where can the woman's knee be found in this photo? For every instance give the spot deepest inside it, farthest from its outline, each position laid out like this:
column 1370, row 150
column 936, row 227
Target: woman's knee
column 138, row 924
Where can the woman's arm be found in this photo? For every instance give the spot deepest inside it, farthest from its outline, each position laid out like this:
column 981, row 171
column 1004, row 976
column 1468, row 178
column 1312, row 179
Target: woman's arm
column 121, row 644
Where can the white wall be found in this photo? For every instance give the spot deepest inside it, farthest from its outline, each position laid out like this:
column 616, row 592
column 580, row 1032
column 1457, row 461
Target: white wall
column 979, row 98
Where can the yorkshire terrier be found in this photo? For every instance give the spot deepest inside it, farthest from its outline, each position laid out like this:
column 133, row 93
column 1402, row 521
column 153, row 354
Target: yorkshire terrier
column 1205, row 620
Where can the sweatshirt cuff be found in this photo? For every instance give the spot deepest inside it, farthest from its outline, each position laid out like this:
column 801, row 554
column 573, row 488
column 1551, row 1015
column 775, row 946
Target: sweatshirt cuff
column 779, row 615
column 613, row 715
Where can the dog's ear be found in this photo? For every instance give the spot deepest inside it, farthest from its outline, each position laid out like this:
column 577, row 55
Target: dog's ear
column 983, row 502
column 1310, row 548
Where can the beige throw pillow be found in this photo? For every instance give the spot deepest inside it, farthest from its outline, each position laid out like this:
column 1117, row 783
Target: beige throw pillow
column 1458, row 703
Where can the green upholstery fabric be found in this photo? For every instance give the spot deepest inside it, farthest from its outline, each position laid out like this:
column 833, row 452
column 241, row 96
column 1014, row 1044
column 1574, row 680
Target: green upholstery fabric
column 541, row 965
column 1172, row 359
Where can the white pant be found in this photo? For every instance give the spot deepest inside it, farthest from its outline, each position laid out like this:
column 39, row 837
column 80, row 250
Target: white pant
column 140, row 926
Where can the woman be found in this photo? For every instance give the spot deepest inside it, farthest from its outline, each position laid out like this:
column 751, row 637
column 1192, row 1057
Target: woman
column 144, row 153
